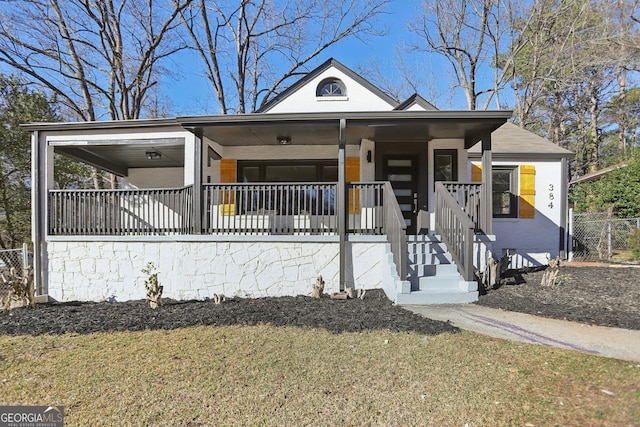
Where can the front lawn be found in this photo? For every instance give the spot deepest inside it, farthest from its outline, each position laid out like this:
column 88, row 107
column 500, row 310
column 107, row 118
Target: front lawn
column 291, row 376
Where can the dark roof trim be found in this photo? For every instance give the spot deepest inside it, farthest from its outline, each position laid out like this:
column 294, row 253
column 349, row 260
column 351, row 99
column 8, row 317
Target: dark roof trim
column 331, row 62
column 490, row 120
column 416, row 99
column 520, row 156
column 358, row 116
column 107, row 124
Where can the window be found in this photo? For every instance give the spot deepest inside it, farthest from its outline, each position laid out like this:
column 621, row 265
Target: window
column 287, row 200
column 331, row 87
column 287, row 171
column 445, row 165
column 505, row 198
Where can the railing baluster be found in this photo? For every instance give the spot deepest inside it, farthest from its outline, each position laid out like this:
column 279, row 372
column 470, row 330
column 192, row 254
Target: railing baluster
column 243, row 208
column 455, row 226
column 119, row 212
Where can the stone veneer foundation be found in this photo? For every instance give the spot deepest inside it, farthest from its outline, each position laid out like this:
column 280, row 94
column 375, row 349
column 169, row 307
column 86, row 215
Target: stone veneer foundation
column 99, row 269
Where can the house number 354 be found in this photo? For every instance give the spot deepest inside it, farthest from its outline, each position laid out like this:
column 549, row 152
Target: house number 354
column 551, row 196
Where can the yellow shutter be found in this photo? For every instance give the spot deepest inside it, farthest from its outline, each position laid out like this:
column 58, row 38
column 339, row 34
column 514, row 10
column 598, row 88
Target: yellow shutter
column 476, row 173
column 228, row 170
column 227, row 175
column 353, row 175
column 527, row 191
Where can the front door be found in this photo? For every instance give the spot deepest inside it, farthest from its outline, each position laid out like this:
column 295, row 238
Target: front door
column 401, row 170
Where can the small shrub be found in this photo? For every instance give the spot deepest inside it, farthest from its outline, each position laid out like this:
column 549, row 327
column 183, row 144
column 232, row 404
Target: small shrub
column 550, row 276
column 21, row 292
column 152, row 286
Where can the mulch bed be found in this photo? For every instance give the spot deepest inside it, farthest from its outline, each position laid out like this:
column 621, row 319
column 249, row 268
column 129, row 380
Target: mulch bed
column 593, row 295
column 605, row 296
column 375, row 311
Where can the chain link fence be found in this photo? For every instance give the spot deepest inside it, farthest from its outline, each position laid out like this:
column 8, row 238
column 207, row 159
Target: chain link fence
column 598, row 237
column 12, row 258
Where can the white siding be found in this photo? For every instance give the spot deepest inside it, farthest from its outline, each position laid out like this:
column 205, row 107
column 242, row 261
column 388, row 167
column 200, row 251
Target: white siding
column 155, row 178
column 537, row 238
column 358, row 97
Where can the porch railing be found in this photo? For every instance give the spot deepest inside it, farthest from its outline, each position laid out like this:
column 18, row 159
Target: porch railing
column 304, row 208
column 265, row 208
column 456, row 229
column 395, row 228
column 366, row 208
column 467, row 195
column 373, row 209
column 120, row 212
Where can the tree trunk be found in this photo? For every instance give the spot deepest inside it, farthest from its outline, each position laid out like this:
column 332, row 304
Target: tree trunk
column 622, row 113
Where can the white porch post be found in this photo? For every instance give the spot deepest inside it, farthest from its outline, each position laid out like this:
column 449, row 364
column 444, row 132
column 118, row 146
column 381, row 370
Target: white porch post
column 341, row 199
column 487, row 186
column 41, row 182
column 198, row 214
column 37, row 215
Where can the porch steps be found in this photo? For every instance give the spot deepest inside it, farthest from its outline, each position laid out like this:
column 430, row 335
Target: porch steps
column 433, row 276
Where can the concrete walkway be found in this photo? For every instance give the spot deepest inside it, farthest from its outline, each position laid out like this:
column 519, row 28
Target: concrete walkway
column 599, row 340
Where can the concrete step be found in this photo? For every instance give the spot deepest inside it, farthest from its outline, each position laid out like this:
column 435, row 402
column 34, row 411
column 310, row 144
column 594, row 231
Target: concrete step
column 444, row 258
column 426, row 247
column 422, row 270
column 446, row 283
column 440, row 283
column 433, row 283
column 437, row 297
column 433, row 276
column 423, row 238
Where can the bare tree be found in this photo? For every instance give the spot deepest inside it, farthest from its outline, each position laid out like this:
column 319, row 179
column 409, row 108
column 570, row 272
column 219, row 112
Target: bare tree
column 477, row 38
column 251, row 48
column 98, row 57
column 406, row 79
column 456, row 30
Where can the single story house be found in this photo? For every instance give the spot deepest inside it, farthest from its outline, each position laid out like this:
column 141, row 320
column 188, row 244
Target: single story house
column 332, row 177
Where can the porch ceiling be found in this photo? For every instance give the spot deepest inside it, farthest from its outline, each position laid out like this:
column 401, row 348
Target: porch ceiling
column 118, row 156
column 323, row 129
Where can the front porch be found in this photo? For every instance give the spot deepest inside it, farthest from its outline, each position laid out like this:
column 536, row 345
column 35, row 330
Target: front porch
column 258, row 218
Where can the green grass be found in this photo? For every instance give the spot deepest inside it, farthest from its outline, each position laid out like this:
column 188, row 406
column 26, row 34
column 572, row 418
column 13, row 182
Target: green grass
column 264, row 375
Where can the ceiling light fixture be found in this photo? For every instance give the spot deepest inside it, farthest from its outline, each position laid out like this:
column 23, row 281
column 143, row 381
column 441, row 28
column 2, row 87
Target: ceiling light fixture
column 153, row 155
column 284, row 140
